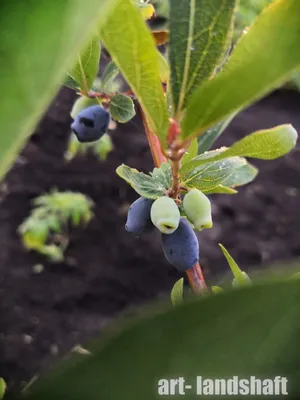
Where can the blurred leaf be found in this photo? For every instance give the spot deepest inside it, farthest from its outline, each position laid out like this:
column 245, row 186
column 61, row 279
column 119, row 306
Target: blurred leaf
column 2, row 388
column 191, row 152
column 241, row 278
column 131, row 46
column 110, row 73
column 39, row 44
column 82, row 103
column 149, row 186
column 248, row 332
column 164, row 70
column 208, row 138
column 86, row 68
column 103, row 147
column 208, row 177
column 160, row 37
column 198, row 38
column 70, row 83
column 177, row 293
column 121, row 108
column 267, row 144
column 217, row 289
column 261, row 60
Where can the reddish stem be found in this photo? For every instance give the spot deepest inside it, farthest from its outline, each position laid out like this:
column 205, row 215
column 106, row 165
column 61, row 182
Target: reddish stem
column 154, row 143
column 194, row 274
column 196, row 279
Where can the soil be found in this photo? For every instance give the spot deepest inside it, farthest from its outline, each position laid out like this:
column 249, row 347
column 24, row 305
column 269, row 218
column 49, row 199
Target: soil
column 107, row 271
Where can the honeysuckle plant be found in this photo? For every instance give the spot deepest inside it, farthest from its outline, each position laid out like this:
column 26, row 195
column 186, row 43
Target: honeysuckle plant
column 186, row 95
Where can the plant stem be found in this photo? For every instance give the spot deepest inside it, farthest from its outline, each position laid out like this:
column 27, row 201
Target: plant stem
column 196, row 279
column 194, row 274
column 154, row 144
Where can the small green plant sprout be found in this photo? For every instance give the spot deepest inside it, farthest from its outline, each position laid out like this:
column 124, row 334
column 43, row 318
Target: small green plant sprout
column 240, row 277
column 2, row 388
column 177, row 292
column 46, row 229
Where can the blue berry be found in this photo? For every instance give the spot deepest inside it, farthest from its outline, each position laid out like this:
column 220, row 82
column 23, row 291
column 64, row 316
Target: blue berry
column 90, row 124
column 181, row 248
column 138, row 216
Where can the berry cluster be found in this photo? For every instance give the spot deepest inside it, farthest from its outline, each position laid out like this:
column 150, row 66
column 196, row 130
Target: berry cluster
column 179, row 241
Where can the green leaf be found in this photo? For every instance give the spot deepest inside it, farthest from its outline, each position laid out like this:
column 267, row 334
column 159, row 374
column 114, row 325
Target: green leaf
column 220, row 189
column 149, row 186
column 262, row 60
column 110, row 73
column 121, row 108
column 86, row 68
column 103, row 147
column 248, row 332
column 208, row 177
column 39, row 44
column 177, row 293
column 191, row 152
column 267, row 144
column 164, row 70
column 2, row 388
column 208, row 138
column 240, row 277
column 70, row 83
column 217, row 289
column 199, row 31
column 131, row 45
column 241, row 176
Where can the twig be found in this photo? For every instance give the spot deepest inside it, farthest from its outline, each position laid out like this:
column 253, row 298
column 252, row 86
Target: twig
column 175, row 153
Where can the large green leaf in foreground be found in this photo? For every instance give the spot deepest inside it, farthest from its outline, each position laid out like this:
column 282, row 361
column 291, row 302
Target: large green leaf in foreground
column 254, row 331
column 264, row 57
column 39, row 41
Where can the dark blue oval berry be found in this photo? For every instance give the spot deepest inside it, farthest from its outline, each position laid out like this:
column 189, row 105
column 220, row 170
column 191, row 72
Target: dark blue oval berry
column 138, row 216
column 90, row 124
column 181, row 248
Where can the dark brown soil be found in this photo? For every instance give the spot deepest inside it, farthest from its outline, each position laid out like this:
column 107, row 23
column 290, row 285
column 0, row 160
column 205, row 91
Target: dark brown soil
column 107, row 271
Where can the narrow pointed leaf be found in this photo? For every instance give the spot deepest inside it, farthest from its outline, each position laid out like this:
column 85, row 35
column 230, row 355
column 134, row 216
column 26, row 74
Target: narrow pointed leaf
column 199, row 31
column 86, row 67
column 132, row 47
column 262, row 60
column 239, row 276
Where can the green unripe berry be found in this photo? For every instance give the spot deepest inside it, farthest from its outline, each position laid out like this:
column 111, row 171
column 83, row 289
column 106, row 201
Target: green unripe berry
column 198, row 209
column 165, row 214
column 81, row 103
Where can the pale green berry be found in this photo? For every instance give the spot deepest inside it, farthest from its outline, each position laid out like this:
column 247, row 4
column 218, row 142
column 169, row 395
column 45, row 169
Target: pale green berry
column 198, row 209
column 165, row 214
